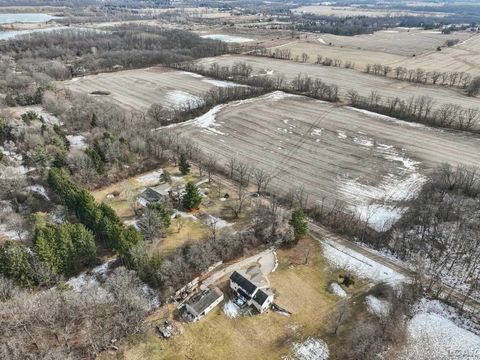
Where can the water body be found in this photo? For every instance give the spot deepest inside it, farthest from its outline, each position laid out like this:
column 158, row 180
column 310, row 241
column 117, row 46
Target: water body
column 25, row 18
column 227, row 38
column 6, row 35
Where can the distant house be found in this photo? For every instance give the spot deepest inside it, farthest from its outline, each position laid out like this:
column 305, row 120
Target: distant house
column 159, row 193
column 202, row 303
column 252, row 287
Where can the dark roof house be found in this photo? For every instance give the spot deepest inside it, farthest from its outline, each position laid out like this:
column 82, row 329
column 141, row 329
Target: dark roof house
column 252, row 287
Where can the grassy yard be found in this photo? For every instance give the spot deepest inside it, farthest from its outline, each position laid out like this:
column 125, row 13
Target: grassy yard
column 300, row 287
column 193, row 226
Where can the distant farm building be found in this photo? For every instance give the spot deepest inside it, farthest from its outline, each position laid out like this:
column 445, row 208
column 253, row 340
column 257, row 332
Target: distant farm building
column 202, row 303
column 252, row 288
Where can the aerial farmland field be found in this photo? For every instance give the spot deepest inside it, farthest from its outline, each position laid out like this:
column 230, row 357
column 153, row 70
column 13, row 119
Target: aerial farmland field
column 343, row 11
column 411, row 48
column 138, row 89
column 348, row 79
column 370, row 162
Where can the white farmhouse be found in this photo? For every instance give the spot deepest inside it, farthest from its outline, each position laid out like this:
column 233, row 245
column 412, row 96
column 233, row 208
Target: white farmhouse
column 252, row 287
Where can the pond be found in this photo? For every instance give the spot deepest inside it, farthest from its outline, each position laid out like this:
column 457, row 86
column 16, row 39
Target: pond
column 227, row 38
column 25, row 18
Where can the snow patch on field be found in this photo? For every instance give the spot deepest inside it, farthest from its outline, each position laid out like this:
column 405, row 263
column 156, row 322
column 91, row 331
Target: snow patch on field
column 222, row 83
column 341, row 134
column 378, row 204
column 336, row 289
column 363, row 141
column 231, row 309
column 227, row 38
column 77, row 142
column 310, row 349
column 207, row 121
column 179, row 98
column 387, row 118
column 376, row 306
column 344, row 258
column 432, row 333
column 322, row 41
column 195, row 75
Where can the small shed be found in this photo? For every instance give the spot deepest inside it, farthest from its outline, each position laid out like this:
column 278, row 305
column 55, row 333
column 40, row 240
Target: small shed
column 202, row 303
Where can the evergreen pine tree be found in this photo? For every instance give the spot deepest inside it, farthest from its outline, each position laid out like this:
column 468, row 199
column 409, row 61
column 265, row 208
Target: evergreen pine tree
column 299, row 224
column 192, row 197
column 183, row 165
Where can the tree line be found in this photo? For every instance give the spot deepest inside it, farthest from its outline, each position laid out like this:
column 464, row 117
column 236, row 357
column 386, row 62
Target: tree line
column 416, row 109
column 242, row 73
column 455, row 78
column 420, row 109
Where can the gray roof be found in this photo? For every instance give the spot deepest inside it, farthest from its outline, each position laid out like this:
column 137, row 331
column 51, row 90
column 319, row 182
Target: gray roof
column 203, row 300
column 261, row 296
column 151, row 195
column 156, row 193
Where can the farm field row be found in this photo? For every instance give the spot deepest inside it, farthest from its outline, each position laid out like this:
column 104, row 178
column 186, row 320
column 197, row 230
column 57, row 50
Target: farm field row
column 139, row 89
column 343, row 11
column 371, row 163
column 410, row 48
column 348, row 79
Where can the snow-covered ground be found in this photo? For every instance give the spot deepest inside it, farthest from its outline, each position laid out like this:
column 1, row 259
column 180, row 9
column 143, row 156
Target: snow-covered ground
column 379, row 204
column 39, row 189
column 231, row 309
column 222, row 83
column 10, row 234
column 91, row 279
column 77, row 142
column 387, row 118
column 47, row 117
column 377, row 306
column 310, row 349
column 436, row 332
column 322, row 41
column 219, row 223
column 344, row 258
column 336, row 289
column 207, row 122
column 151, row 177
column 227, row 38
column 179, row 98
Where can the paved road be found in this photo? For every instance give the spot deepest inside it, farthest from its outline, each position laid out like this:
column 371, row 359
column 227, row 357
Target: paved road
column 267, row 260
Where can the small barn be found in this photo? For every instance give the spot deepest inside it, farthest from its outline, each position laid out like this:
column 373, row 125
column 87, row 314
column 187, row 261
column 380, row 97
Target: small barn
column 202, row 303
